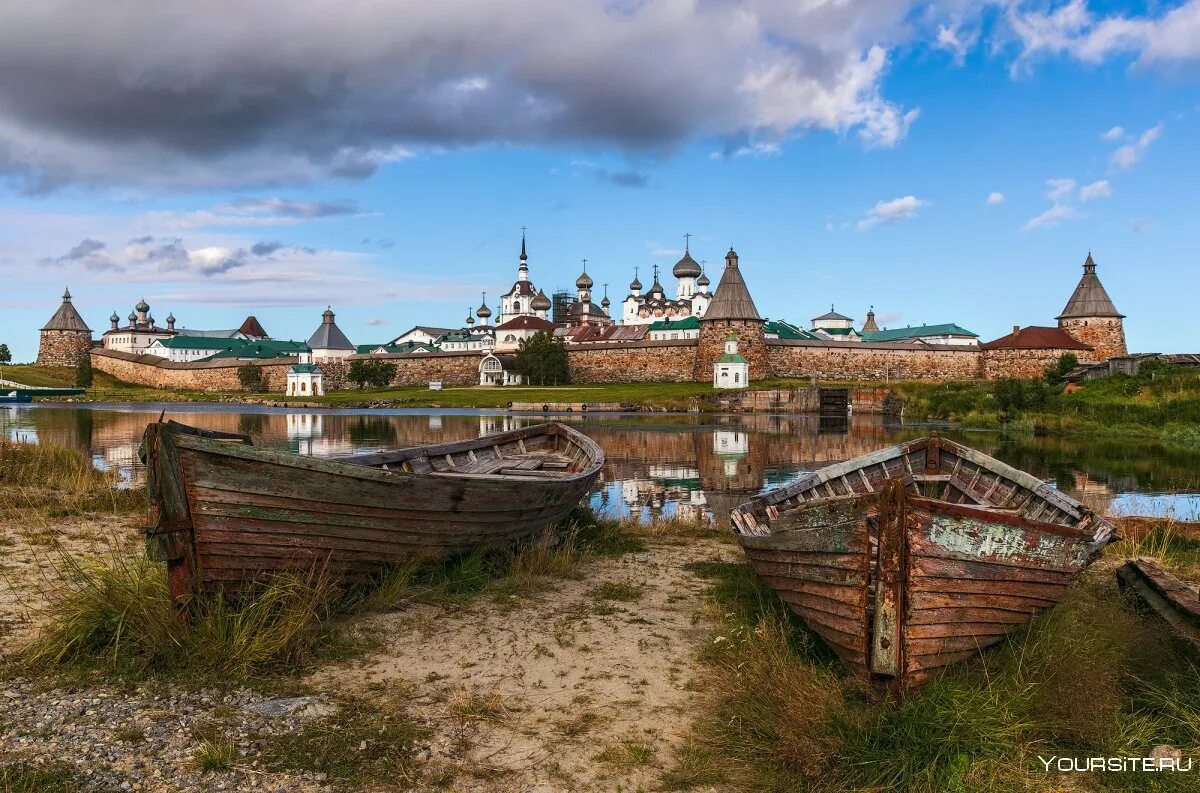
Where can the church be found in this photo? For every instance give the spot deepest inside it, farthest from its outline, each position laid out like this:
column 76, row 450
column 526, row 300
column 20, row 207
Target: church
column 692, row 297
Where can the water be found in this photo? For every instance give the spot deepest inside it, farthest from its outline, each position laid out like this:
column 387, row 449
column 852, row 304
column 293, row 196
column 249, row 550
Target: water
column 658, row 464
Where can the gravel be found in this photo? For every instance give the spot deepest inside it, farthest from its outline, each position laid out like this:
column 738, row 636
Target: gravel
column 144, row 740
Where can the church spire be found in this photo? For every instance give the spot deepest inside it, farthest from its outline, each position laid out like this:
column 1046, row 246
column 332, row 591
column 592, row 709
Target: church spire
column 1090, row 299
column 523, row 269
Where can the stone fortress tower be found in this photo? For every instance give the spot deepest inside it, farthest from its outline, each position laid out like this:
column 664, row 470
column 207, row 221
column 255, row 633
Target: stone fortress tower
column 66, row 338
column 1091, row 318
column 731, row 313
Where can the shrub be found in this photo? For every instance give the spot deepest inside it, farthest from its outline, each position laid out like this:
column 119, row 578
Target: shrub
column 83, row 372
column 251, row 377
column 377, row 374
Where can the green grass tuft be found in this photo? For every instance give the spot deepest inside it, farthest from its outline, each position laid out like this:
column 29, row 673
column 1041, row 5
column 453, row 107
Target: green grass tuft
column 45, row 778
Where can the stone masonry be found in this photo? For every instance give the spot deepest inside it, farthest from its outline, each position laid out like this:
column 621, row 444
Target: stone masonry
column 63, row 347
column 1105, row 335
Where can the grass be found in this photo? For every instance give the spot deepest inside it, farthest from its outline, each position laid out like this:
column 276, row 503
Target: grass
column 620, row 592
column 366, row 741
column 1090, row 677
column 112, row 613
column 44, row 482
column 44, row 778
column 55, row 376
column 627, row 754
column 215, row 755
column 1161, row 402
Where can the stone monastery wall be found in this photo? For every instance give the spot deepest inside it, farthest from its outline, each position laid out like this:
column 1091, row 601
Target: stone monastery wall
column 640, row 362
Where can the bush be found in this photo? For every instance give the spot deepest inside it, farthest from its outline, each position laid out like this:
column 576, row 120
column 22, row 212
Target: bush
column 377, row 374
column 251, row 378
column 1056, row 372
column 542, row 360
column 83, row 372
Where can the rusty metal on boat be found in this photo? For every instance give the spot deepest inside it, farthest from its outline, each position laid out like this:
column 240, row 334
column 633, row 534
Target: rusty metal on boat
column 917, row 556
column 224, row 512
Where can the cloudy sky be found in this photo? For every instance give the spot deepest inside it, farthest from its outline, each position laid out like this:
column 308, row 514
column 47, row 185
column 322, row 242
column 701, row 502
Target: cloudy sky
column 945, row 161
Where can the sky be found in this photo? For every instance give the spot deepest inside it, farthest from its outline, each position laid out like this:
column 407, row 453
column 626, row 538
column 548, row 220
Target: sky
column 944, row 161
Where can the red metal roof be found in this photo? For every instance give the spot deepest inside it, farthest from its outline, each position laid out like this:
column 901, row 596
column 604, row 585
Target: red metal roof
column 1036, row 337
column 526, row 323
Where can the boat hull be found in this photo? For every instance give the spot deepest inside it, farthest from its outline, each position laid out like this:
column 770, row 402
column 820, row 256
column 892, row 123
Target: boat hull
column 225, row 514
column 899, row 584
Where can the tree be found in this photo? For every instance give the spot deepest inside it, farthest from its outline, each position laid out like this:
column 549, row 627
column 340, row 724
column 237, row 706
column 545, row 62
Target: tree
column 251, row 378
column 5, row 354
column 377, row 374
column 83, row 372
column 1057, row 371
column 542, row 360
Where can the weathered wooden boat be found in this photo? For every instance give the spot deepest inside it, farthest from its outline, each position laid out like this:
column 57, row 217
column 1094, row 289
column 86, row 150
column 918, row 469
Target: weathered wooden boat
column 917, row 556
column 1178, row 603
column 224, row 512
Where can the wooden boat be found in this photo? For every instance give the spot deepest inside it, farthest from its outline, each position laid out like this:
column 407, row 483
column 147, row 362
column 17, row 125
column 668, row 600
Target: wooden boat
column 1178, row 603
column 917, row 556
column 224, row 512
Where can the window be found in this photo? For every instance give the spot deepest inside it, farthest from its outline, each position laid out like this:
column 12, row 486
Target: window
column 735, row 377
column 304, row 386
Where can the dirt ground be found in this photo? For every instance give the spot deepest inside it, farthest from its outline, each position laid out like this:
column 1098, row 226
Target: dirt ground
column 582, row 686
column 587, row 687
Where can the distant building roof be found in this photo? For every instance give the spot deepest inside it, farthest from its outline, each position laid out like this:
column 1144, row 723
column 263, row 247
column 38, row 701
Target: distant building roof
column 786, row 330
column 1035, row 337
column 1089, row 298
column 67, row 317
column 687, row 323
column 917, row 332
column 732, row 299
column 251, row 327
column 526, row 323
column 833, row 315
column 507, row 362
column 329, row 336
column 190, row 342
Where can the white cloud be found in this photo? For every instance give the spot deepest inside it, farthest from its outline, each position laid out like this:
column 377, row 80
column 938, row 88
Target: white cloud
column 1060, row 189
column 1115, row 133
column 1052, row 217
column 1100, row 189
column 903, row 208
column 376, row 322
column 995, row 198
column 1072, row 29
column 657, row 249
column 957, row 40
column 1128, row 155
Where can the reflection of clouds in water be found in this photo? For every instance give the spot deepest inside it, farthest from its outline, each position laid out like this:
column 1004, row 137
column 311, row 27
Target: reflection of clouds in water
column 1180, row 506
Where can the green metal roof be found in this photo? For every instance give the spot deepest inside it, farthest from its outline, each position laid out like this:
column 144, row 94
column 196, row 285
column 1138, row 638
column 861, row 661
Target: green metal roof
column 253, row 350
column 306, row 368
column 917, row 331
column 687, row 323
column 838, row 331
column 786, row 330
column 200, row 343
column 731, row 358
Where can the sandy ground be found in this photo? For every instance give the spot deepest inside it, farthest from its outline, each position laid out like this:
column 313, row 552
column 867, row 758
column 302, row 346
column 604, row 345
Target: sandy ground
column 568, row 691
column 585, row 685
column 31, row 545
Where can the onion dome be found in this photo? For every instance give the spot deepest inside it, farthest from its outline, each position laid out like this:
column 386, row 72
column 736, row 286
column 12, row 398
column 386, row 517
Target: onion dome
column 470, row 318
column 114, row 317
column 584, row 281
column 687, row 267
column 483, row 312
column 605, row 303
column 703, row 280
column 150, row 319
column 635, row 284
column 142, row 305
column 132, row 317
column 540, row 302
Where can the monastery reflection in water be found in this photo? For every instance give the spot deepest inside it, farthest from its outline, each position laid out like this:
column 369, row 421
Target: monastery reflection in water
column 658, row 464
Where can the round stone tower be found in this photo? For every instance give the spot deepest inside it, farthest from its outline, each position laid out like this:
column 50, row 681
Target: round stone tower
column 1091, row 318
column 66, row 338
column 731, row 312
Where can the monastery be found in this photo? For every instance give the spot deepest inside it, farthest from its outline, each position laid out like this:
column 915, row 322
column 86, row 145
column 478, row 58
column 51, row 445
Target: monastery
column 692, row 334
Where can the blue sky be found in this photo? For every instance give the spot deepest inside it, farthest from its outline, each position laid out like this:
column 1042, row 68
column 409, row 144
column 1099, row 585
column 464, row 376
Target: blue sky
column 860, row 177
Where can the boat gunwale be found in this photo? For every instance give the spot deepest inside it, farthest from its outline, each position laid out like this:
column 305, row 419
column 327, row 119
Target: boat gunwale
column 340, row 467
column 836, row 471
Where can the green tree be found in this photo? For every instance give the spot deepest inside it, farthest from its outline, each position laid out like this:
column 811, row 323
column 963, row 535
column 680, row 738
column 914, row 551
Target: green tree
column 1057, row 371
column 5, row 354
column 377, row 374
column 542, row 360
column 83, row 372
column 251, row 378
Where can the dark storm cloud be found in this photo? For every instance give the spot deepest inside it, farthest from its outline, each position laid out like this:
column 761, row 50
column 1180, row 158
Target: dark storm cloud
column 265, row 248
column 182, row 95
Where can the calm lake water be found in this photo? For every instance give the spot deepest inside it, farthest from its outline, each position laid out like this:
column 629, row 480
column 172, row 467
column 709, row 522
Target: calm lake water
column 658, row 464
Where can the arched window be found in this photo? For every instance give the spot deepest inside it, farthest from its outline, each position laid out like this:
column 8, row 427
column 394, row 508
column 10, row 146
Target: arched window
column 304, row 386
